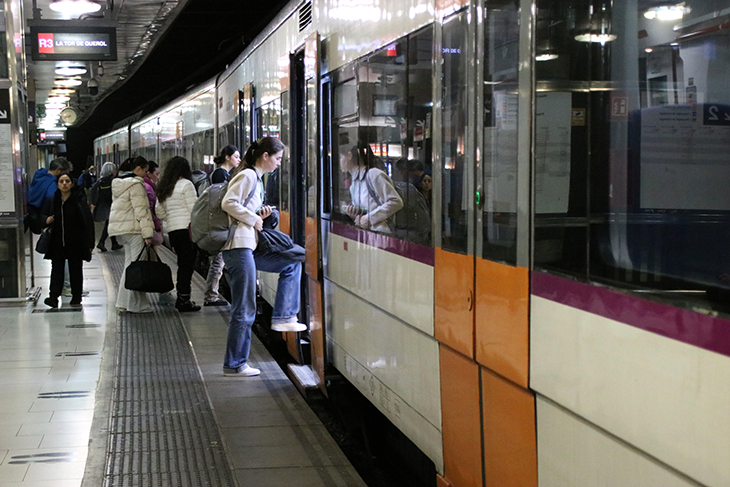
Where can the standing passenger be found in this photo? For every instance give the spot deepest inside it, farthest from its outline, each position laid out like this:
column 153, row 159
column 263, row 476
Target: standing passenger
column 228, row 160
column 100, row 197
column 72, row 238
column 243, row 203
column 131, row 220
column 175, row 199
column 150, row 185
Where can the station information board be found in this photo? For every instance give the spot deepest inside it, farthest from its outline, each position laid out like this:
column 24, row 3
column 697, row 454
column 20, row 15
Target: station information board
column 53, row 42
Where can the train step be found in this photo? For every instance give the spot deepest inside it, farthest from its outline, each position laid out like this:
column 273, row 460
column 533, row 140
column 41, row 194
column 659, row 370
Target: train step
column 303, row 378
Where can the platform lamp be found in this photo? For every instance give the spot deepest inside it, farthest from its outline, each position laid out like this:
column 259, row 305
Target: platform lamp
column 594, row 25
column 75, row 7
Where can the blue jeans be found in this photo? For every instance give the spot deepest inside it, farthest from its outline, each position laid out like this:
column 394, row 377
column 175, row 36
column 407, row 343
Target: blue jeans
column 286, row 305
column 242, row 267
column 242, row 272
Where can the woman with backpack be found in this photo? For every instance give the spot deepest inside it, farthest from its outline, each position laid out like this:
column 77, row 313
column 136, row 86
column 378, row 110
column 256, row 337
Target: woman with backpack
column 100, row 198
column 72, row 238
column 244, row 204
column 175, row 199
column 228, row 160
column 131, row 221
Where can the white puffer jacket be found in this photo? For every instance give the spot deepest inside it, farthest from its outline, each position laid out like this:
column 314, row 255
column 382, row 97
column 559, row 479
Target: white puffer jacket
column 130, row 211
column 175, row 211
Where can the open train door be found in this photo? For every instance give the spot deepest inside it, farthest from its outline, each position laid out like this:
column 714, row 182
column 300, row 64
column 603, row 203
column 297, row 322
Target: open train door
column 306, row 136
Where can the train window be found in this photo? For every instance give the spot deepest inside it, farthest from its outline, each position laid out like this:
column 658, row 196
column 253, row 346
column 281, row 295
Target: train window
column 381, row 141
column 226, row 136
column 286, row 160
column 632, row 136
column 454, row 225
column 312, row 145
column 499, row 155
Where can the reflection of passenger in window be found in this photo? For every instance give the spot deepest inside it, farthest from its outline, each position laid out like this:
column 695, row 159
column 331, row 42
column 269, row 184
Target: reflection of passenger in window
column 374, row 199
column 424, row 184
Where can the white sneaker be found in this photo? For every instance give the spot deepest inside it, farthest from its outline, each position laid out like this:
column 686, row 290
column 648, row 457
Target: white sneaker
column 245, row 371
column 291, row 326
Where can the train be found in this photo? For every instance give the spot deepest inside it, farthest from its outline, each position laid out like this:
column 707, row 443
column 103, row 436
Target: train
column 562, row 318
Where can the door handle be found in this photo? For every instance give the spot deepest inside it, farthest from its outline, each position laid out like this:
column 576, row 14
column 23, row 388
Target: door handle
column 470, row 299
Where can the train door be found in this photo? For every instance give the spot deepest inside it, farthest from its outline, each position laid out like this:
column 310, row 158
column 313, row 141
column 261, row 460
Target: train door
column 305, row 206
column 483, row 244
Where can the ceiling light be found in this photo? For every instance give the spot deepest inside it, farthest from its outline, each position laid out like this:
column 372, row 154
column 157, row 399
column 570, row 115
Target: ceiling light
column 68, row 82
column 51, row 106
column 61, row 98
column 666, row 12
column 602, row 38
column 546, row 57
column 71, row 70
column 62, row 91
column 75, row 7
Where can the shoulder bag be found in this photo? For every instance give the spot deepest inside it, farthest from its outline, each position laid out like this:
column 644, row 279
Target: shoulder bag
column 150, row 275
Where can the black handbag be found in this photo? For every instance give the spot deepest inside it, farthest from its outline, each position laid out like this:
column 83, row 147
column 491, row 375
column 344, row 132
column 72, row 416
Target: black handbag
column 149, row 276
column 44, row 241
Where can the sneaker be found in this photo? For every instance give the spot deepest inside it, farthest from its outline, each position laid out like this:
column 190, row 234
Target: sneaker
column 243, row 371
column 185, row 306
column 52, row 302
column 291, row 326
column 218, row 302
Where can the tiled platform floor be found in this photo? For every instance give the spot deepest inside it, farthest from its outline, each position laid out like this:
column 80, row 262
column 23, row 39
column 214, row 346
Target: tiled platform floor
column 51, row 363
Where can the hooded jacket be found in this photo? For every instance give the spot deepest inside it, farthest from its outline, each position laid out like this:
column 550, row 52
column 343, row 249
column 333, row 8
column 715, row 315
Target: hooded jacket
column 130, row 212
column 43, row 186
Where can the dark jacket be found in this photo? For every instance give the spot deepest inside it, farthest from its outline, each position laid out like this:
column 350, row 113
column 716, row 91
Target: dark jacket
column 72, row 230
column 101, row 197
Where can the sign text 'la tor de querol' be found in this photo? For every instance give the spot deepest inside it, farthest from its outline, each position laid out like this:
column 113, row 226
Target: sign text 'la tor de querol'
column 53, row 40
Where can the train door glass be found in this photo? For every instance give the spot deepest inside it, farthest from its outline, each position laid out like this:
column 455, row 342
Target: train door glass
column 497, row 194
column 454, row 187
column 285, row 167
column 312, row 146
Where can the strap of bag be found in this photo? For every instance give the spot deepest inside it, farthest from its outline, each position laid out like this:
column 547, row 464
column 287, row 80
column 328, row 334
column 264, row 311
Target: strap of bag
column 253, row 190
column 371, row 190
column 150, row 252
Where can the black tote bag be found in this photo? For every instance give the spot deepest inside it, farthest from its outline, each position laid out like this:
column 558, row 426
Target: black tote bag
column 44, row 241
column 149, row 276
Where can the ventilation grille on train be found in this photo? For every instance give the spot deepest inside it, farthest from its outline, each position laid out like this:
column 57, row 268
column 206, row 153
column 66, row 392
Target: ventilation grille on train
column 305, row 16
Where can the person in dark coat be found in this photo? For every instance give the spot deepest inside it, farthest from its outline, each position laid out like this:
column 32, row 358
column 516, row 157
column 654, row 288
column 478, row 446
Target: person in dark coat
column 72, row 238
column 100, row 198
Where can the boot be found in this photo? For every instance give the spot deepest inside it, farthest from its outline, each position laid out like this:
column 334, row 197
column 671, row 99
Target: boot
column 183, row 304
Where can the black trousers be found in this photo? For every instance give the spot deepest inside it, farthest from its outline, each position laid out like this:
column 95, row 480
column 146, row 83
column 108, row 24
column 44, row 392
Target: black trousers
column 104, row 235
column 185, row 250
column 75, row 274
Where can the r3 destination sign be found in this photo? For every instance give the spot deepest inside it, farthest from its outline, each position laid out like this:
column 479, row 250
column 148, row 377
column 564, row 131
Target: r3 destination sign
column 71, row 43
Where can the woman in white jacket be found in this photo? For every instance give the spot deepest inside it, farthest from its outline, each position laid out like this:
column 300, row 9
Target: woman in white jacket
column 244, row 204
column 175, row 199
column 130, row 221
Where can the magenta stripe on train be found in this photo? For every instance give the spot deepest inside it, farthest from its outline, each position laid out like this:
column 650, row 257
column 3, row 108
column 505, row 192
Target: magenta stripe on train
column 704, row 331
column 410, row 250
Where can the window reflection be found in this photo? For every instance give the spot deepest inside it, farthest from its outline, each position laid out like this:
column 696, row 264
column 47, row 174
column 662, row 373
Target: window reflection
column 632, row 136
column 381, row 147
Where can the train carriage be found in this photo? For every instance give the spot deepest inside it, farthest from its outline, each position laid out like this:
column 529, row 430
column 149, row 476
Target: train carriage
column 560, row 318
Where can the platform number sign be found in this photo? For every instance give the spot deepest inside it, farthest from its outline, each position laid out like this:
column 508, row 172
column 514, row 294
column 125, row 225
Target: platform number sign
column 716, row 114
column 5, row 106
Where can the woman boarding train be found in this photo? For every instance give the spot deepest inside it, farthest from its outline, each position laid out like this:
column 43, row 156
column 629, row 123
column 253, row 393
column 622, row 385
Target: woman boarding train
column 244, row 204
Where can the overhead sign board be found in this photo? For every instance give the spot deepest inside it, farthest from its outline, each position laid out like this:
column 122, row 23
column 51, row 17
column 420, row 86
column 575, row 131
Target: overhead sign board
column 70, row 41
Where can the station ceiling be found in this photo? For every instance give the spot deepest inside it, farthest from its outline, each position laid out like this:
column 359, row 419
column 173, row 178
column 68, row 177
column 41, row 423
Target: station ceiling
column 164, row 47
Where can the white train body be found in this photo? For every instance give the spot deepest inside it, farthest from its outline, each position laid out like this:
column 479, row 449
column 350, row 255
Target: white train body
column 563, row 323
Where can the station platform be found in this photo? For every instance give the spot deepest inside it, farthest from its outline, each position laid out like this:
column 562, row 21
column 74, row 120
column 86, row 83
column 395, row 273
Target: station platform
column 92, row 397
